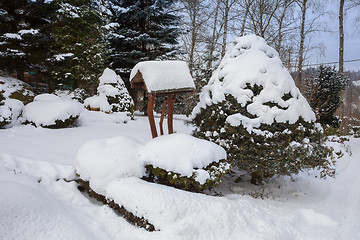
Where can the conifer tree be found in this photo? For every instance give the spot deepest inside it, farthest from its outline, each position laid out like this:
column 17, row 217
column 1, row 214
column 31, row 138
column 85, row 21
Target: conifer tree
column 253, row 109
column 24, row 42
column 79, row 49
column 145, row 31
column 325, row 96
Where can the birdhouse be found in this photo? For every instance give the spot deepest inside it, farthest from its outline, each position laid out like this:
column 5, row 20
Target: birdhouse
column 162, row 78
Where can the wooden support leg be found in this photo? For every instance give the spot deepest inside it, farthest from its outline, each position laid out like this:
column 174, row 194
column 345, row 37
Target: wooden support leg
column 171, row 101
column 150, row 112
column 162, row 118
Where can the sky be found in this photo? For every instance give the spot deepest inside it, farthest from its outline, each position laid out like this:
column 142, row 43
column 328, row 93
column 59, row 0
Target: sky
column 331, row 39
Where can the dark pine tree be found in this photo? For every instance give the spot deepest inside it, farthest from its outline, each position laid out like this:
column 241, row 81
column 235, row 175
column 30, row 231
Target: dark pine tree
column 325, row 97
column 145, row 31
column 24, row 42
column 79, row 52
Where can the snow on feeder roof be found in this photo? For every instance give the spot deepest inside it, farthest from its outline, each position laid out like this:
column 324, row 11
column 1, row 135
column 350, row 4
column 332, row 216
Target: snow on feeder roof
column 158, row 77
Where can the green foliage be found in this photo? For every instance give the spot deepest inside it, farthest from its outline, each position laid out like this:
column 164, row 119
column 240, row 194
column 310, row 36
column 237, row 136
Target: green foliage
column 282, row 149
column 169, row 178
column 146, row 30
column 22, row 96
column 79, row 50
column 69, row 122
column 23, row 33
column 2, row 98
column 325, row 97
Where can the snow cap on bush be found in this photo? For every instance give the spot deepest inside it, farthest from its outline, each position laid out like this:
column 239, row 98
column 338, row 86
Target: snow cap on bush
column 250, row 63
column 181, row 153
column 105, row 160
column 49, row 110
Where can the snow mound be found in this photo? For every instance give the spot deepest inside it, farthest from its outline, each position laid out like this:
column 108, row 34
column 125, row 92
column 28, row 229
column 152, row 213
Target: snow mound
column 164, row 75
column 181, row 153
column 105, row 160
column 99, row 103
column 5, row 115
column 250, row 62
column 47, row 97
column 48, row 108
column 108, row 77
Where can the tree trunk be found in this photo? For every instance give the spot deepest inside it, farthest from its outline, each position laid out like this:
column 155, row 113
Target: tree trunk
column 226, row 22
column 302, row 42
column 341, row 32
column 213, row 38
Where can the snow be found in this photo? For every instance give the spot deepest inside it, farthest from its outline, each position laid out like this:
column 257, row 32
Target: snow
column 249, row 60
column 164, row 75
column 108, row 77
column 13, row 36
column 356, row 83
column 5, row 113
column 39, row 204
column 9, row 85
column 47, row 108
column 98, row 102
column 181, row 153
column 102, row 161
column 29, row 31
column 61, row 57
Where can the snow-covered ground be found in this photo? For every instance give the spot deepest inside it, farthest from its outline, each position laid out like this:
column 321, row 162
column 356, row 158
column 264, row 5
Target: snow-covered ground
column 36, row 202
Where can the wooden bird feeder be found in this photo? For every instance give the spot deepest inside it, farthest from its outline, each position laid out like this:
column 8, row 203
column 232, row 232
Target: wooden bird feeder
column 162, row 78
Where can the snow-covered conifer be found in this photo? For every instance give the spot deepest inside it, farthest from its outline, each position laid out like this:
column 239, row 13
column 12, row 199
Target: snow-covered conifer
column 253, row 109
column 325, row 95
column 112, row 95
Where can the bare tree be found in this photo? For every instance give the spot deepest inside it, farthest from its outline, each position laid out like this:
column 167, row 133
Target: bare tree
column 341, row 36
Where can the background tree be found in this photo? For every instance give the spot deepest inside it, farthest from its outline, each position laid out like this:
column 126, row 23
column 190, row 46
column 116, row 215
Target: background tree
column 325, row 97
column 23, row 36
column 145, row 30
column 79, row 49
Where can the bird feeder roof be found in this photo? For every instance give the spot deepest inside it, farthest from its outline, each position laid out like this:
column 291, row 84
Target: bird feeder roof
column 158, row 77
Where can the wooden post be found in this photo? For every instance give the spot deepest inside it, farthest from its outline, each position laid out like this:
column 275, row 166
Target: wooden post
column 171, row 101
column 150, row 113
column 162, row 118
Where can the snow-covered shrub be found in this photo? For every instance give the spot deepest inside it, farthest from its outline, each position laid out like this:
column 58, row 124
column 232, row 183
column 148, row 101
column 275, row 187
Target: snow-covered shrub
column 325, row 97
column 184, row 162
column 49, row 110
column 102, row 161
column 112, row 95
column 5, row 112
column 253, row 109
column 16, row 89
column 77, row 94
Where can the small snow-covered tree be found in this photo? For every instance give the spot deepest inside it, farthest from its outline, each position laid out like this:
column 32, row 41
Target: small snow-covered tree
column 253, row 109
column 112, row 95
column 325, row 96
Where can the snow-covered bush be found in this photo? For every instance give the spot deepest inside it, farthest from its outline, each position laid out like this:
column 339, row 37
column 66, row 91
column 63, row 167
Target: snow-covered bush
column 16, row 89
column 325, row 97
column 253, row 109
column 49, row 110
column 5, row 112
column 77, row 94
column 112, row 95
column 102, row 161
column 184, row 162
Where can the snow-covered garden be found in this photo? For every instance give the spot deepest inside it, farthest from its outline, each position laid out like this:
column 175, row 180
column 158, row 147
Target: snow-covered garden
column 94, row 171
